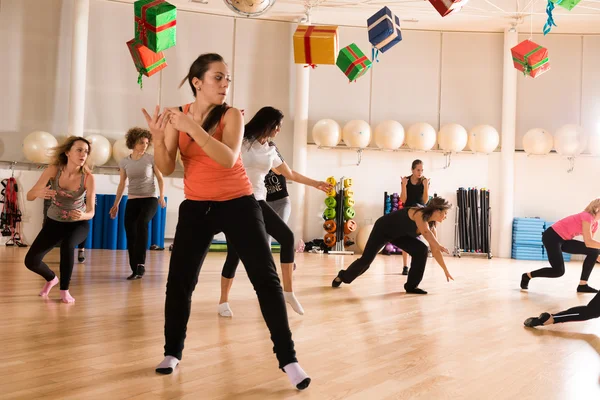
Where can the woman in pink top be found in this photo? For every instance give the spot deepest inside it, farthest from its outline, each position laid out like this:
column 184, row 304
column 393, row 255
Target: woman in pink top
column 559, row 238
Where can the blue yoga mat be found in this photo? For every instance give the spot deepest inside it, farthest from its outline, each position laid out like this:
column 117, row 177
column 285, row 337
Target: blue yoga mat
column 150, row 224
column 110, row 225
column 121, row 235
column 98, row 223
column 88, row 239
column 163, row 225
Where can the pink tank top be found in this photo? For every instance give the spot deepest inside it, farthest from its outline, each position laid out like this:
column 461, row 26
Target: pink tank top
column 571, row 226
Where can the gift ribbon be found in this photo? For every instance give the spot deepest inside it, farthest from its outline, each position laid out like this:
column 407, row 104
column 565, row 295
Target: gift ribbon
column 527, row 69
column 307, row 49
column 359, row 60
column 550, row 21
column 140, row 64
column 144, row 26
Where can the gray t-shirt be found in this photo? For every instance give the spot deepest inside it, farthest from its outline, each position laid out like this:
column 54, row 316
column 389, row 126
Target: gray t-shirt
column 140, row 174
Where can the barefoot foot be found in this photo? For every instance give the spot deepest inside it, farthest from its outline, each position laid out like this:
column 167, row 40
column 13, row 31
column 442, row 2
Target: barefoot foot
column 66, row 297
column 49, row 285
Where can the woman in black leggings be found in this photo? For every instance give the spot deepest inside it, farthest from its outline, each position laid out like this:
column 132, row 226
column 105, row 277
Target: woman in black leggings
column 140, row 170
column 260, row 157
column 581, row 313
column 208, row 134
column 559, row 238
column 67, row 216
column 401, row 228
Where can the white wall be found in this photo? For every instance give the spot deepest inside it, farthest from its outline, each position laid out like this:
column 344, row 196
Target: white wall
column 430, row 77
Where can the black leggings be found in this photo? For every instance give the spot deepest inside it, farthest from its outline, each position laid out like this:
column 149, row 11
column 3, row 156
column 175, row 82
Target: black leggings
column 384, row 231
column 581, row 313
column 138, row 213
column 275, row 227
column 555, row 246
column 242, row 221
column 70, row 234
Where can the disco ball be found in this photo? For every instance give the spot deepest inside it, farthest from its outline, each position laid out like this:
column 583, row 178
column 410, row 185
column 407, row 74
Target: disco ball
column 249, row 8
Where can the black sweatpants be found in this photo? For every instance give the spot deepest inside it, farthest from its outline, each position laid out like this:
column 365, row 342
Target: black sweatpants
column 138, row 213
column 277, row 228
column 242, row 221
column 69, row 234
column 581, row 313
column 555, row 246
column 386, row 230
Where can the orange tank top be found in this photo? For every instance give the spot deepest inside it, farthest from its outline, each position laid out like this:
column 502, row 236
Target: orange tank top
column 203, row 178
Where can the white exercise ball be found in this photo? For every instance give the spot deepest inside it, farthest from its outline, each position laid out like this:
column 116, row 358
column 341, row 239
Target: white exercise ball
column 120, row 150
column 485, row 138
column 452, row 137
column 570, row 140
column 363, row 236
column 421, row 136
column 37, row 146
column 179, row 160
column 101, row 150
column 593, row 143
column 356, row 133
column 537, row 141
column 326, row 132
column 389, row 135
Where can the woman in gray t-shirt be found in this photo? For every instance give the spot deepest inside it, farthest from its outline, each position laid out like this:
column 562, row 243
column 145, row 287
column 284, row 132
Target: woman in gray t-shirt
column 142, row 203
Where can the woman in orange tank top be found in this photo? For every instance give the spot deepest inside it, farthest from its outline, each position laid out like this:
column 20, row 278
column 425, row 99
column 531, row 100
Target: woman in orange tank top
column 208, row 133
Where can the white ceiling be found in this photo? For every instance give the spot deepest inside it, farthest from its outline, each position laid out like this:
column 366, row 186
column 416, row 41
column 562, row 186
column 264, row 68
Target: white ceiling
column 477, row 15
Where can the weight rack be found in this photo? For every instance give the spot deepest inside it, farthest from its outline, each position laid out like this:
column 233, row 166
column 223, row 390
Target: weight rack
column 338, row 248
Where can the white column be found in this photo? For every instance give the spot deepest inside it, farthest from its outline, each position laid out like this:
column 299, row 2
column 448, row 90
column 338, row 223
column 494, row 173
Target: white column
column 507, row 157
column 81, row 11
column 300, row 147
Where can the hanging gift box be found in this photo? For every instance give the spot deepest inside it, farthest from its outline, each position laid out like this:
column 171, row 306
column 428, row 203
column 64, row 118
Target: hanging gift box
column 530, row 58
column 384, row 31
column 315, row 45
column 447, row 7
column 146, row 61
column 353, row 62
column 155, row 24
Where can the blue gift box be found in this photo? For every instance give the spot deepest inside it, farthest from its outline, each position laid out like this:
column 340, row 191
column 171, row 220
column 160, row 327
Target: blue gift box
column 384, row 29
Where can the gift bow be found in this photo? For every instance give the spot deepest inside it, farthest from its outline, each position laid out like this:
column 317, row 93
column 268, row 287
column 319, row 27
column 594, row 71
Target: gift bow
column 550, row 21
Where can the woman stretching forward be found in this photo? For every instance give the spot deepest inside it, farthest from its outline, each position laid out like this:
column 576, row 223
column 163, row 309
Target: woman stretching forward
column 401, row 228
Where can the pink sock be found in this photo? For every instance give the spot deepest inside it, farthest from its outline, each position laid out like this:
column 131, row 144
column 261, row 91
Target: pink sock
column 49, row 285
column 66, row 297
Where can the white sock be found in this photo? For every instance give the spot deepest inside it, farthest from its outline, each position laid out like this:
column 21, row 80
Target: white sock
column 225, row 310
column 291, row 299
column 167, row 366
column 297, row 376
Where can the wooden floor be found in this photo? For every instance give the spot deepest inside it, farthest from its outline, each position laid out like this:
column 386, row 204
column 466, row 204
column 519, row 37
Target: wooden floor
column 368, row 340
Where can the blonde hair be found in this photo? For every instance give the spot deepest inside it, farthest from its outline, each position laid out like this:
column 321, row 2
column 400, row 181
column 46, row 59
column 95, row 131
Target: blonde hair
column 59, row 157
column 594, row 206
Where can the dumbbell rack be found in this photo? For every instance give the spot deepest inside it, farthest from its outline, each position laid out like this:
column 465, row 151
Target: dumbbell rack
column 338, row 247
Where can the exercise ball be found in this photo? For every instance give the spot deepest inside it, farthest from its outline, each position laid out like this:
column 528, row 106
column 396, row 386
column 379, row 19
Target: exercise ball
column 594, row 143
column 119, row 150
column 101, row 150
column 485, row 138
column 537, row 141
column 179, row 160
column 356, row 133
column 569, row 140
column 326, row 132
column 37, row 146
column 389, row 135
column 452, row 137
column 420, row 136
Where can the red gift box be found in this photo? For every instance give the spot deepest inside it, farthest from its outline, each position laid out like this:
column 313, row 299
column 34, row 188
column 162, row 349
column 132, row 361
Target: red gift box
column 530, row 58
column 146, row 61
column 447, row 7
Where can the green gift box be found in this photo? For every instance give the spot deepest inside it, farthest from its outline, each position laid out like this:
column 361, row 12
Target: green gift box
column 568, row 4
column 353, row 62
column 155, row 24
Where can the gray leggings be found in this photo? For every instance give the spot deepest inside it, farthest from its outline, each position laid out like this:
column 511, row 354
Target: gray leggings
column 283, row 208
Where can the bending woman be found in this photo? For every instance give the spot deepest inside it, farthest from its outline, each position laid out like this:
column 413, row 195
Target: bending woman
column 401, row 228
column 559, row 238
column 218, row 197
column 68, row 215
column 415, row 192
column 142, row 204
column 259, row 157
